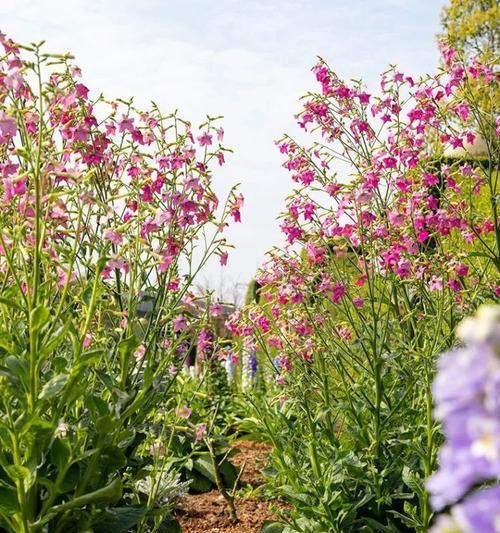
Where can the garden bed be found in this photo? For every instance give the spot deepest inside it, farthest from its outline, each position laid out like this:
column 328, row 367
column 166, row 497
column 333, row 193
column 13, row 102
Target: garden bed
column 207, row 512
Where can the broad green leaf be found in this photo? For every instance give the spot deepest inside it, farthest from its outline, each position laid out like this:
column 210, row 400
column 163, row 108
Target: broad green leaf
column 203, row 464
column 6, row 342
column 109, row 494
column 60, row 453
column 229, row 473
column 39, row 317
column 10, row 303
column 199, row 483
column 119, row 519
column 53, row 387
column 8, row 501
column 170, row 525
column 272, row 527
column 55, row 340
column 17, row 473
column 127, row 346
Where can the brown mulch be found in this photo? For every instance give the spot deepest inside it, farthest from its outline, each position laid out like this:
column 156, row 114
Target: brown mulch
column 207, row 513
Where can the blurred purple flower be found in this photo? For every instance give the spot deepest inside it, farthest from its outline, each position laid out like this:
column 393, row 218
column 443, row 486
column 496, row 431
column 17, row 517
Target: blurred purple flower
column 479, row 513
column 467, row 396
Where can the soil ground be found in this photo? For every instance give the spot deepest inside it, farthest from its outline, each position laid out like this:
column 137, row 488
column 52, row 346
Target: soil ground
column 207, row 513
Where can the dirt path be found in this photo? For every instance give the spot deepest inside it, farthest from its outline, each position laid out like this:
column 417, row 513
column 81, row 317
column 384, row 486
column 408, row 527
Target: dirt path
column 207, row 513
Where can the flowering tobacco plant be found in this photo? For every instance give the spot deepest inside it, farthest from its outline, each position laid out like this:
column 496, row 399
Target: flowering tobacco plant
column 107, row 213
column 391, row 237
column 467, row 395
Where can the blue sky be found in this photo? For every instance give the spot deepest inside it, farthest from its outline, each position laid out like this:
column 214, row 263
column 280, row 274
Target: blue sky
column 248, row 60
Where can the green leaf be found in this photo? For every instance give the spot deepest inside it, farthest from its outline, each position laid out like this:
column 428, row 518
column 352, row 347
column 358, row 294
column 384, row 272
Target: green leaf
column 229, row 472
column 10, row 303
column 412, row 481
column 53, row 387
column 87, row 360
column 18, row 368
column 39, row 318
column 127, row 346
column 6, row 342
column 105, row 425
column 51, row 344
column 119, row 519
column 199, row 483
column 60, row 453
column 9, row 504
column 111, row 459
column 203, row 464
column 17, row 472
column 109, row 494
column 170, row 525
column 272, row 527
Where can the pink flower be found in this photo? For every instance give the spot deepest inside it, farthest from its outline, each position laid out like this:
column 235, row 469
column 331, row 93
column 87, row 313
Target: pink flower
column 395, row 218
column 338, row 292
column 157, row 449
column 422, row 236
column 180, row 323
column 14, row 81
column 165, row 262
column 435, row 284
column 215, row 310
column 461, row 269
column 205, row 139
column 87, row 340
column 315, row 253
column 220, row 134
column 202, row 428
column 454, row 285
column 139, row 352
column 183, row 412
column 223, row 258
column 463, row 111
column 125, row 124
column 358, row 302
column 8, row 127
column 14, row 187
column 113, row 236
column 403, row 269
column 364, row 98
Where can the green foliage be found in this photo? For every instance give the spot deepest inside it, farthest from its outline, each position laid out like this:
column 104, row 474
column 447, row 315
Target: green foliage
column 253, row 292
column 472, row 25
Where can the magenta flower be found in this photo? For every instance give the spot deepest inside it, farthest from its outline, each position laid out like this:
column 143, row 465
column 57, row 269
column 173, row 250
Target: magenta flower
column 215, row 310
column 180, row 323
column 87, row 340
column 205, row 139
column 200, row 432
column 8, row 127
column 113, row 236
column 338, row 292
column 125, row 124
column 463, row 111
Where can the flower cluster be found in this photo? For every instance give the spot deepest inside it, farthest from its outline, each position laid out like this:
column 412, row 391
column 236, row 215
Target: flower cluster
column 107, row 212
column 403, row 210
column 467, row 395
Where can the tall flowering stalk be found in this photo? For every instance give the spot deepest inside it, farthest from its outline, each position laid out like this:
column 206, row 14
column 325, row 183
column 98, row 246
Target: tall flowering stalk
column 467, row 395
column 389, row 243
column 107, row 213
